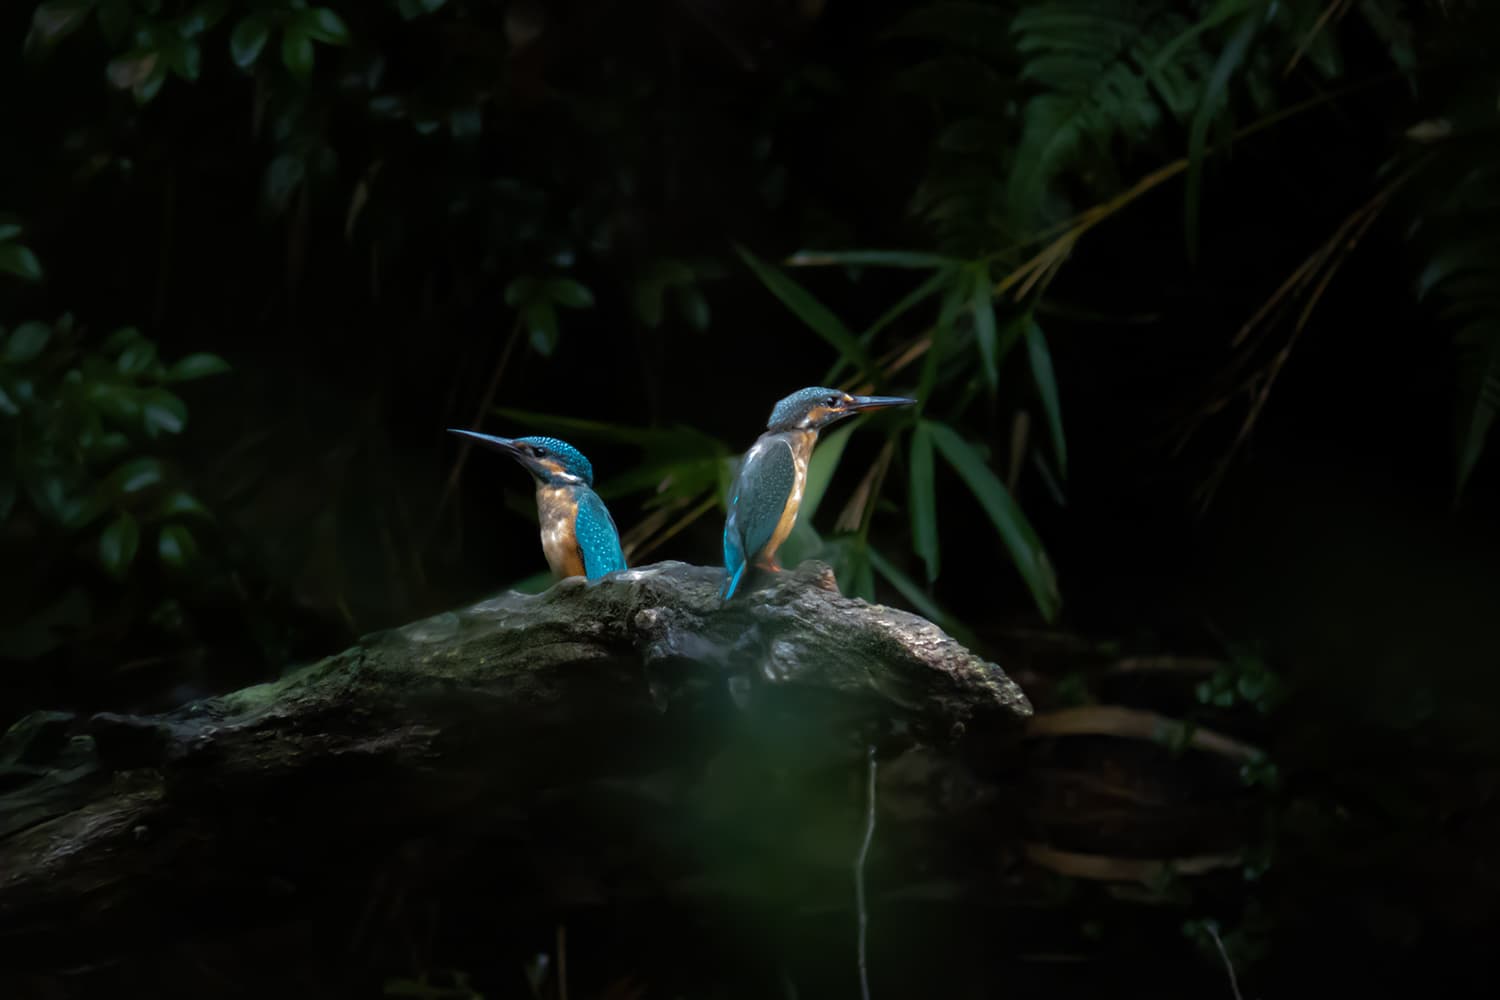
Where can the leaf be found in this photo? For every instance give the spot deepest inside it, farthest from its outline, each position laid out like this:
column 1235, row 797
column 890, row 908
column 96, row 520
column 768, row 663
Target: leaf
column 297, row 52
column 324, row 26
column 203, row 17
column 1221, row 12
column 135, row 69
column 164, row 413
column 693, row 307
column 812, row 312
column 176, row 546
column 923, row 500
column 182, row 504
column 1046, row 387
column 136, row 475
column 869, row 258
column 1015, row 531
column 569, row 293
column 541, row 325
column 925, row 605
column 20, row 261
column 982, row 306
column 119, row 340
column 137, row 357
column 186, row 59
column 955, row 297
column 820, row 469
column 196, row 366
column 57, row 19
column 26, row 342
column 284, row 175
column 248, row 40
column 1479, row 409
column 117, row 545
column 1208, row 106
column 649, row 295
column 9, row 231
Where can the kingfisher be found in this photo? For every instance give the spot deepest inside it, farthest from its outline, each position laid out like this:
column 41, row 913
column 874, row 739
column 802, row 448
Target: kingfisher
column 579, row 537
column 768, row 487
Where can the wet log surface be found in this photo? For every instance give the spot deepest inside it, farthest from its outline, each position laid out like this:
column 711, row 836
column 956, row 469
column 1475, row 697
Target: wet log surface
column 632, row 738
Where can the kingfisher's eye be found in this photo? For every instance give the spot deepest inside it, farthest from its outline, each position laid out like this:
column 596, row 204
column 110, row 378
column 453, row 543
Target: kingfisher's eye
column 539, row 452
column 833, row 401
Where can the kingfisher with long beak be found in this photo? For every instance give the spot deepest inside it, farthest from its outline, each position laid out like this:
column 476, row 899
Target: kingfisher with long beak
column 767, row 490
column 579, row 537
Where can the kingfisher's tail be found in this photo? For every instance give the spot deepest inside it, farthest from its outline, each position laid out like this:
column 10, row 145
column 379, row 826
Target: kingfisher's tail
column 732, row 581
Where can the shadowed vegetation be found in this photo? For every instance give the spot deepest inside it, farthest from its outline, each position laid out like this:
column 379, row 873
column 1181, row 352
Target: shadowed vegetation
column 1200, row 299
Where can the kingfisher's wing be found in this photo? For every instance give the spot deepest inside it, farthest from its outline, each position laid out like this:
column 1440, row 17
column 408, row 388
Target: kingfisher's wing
column 761, row 492
column 598, row 539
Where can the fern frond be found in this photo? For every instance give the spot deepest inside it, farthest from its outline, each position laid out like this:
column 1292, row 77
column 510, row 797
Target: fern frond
column 1107, row 70
column 1457, row 232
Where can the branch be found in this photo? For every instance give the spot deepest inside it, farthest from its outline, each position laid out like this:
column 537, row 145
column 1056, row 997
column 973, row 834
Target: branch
column 462, row 729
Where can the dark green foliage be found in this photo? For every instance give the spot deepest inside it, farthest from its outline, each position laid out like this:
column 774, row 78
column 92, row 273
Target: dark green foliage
column 81, row 422
column 636, row 226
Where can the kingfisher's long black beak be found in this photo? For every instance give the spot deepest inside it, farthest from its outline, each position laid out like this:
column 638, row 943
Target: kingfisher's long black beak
column 861, row 403
column 507, row 446
column 493, row 443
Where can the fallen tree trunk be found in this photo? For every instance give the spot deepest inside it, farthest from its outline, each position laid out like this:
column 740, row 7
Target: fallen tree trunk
column 632, row 736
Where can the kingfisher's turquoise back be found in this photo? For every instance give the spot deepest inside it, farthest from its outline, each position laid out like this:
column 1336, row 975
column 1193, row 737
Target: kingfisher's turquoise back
column 757, row 502
column 598, row 539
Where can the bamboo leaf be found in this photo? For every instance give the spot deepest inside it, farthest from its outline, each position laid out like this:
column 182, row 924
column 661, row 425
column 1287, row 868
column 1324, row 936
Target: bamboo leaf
column 1478, row 412
column 1046, row 387
column 869, row 258
column 912, row 299
column 923, row 500
column 1015, row 531
column 815, row 314
column 1215, row 16
column 925, row 605
column 820, row 469
column 1213, row 94
column 983, row 309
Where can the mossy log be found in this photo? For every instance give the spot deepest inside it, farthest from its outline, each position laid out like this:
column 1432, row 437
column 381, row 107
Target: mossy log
column 632, row 736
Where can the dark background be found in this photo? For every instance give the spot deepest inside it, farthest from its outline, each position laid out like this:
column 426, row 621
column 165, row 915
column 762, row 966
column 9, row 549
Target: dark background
column 594, row 140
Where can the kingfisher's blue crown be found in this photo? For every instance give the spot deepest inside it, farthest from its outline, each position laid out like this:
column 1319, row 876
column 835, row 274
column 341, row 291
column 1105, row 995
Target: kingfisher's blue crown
column 569, row 457
column 791, row 409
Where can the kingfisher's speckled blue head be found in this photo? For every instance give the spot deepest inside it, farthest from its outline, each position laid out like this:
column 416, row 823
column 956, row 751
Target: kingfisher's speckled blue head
column 551, row 461
column 816, row 407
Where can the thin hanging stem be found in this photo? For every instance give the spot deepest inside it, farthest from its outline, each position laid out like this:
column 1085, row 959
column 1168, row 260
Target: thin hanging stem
column 859, row 872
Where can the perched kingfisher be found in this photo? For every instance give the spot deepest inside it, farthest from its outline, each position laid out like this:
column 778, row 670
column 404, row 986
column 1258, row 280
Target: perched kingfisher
column 767, row 490
column 579, row 537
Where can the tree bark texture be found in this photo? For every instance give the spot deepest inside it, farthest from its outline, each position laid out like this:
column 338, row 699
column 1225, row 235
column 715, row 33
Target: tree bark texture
column 629, row 738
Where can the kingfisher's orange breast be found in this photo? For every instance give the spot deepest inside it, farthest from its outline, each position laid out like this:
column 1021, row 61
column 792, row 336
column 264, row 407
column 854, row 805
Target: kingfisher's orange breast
column 557, row 509
column 801, row 445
